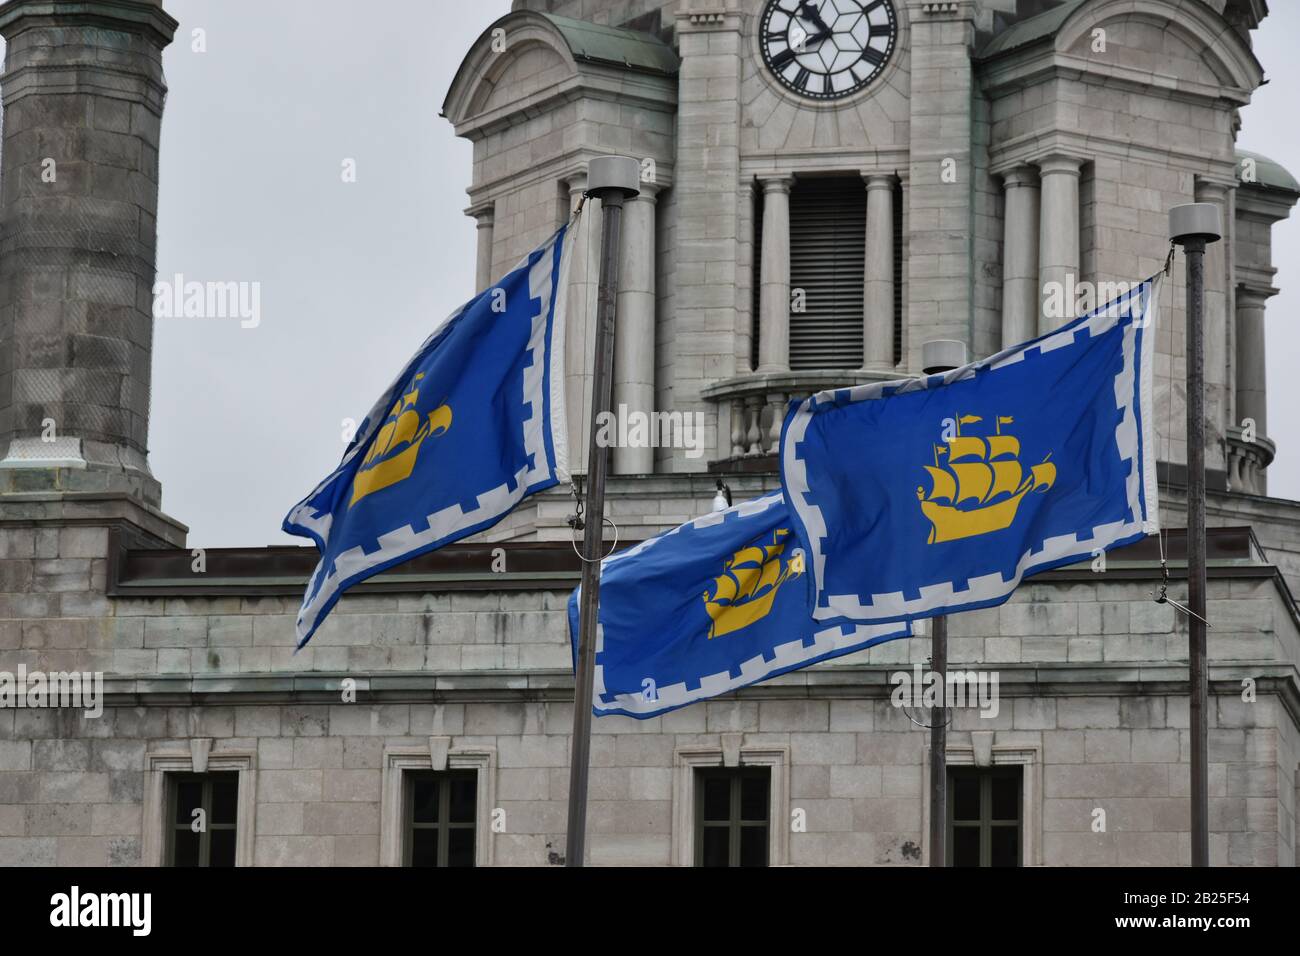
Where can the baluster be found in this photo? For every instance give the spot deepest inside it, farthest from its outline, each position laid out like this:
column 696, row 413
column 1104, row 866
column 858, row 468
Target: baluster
column 737, row 428
column 755, row 406
column 777, row 405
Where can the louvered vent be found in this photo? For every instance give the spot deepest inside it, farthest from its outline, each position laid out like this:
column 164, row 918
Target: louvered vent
column 828, row 219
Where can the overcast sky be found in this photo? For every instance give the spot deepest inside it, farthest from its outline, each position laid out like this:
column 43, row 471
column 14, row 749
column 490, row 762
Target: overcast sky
column 352, row 275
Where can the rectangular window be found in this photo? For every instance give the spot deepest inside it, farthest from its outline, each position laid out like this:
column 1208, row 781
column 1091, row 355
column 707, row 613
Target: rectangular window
column 203, row 810
column 732, row 817
column 828, row 241
column 985, row 816
column 440, row 814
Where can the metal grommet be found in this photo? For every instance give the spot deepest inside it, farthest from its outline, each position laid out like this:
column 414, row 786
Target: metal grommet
column 574, row 540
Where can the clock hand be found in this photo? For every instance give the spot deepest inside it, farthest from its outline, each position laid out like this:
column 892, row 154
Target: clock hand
column 809, row 11
column 818, row 37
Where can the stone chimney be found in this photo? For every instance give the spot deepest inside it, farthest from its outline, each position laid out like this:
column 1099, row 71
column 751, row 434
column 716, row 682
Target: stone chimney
column 83, row 94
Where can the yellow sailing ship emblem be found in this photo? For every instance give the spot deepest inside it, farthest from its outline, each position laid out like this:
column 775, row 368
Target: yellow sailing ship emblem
column 979, row 484
column 743, row 593
column 393, row 452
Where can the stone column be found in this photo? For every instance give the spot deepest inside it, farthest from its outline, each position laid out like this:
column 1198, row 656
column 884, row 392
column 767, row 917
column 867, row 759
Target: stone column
column 485, row 217
column 83, row 94
column 774, row 280
column 1020, row 308
column 634, row 339
column 1058, row 237
column 1251, row 392
column 878, row 275
column 580, row 330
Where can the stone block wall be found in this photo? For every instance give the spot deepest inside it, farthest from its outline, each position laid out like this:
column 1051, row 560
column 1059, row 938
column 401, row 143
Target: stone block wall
column 1091, row 707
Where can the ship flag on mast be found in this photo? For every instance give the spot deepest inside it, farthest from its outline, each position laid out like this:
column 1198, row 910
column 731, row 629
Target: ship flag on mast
column 711, row 606
column 939, row 494
column 472, row 425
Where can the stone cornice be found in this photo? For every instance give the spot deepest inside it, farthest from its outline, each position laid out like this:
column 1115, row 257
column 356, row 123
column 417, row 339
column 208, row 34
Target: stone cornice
column 134, row 519
column 702, row 16
column 846, row 159
column 803, row 382
column 1264, row 203
column 569, row 166
column 1123, row 679
column 965, row 10
column 131, row 16
column 1255, row 282
column 999, row 77
column 595, row 83
column 1031, row 148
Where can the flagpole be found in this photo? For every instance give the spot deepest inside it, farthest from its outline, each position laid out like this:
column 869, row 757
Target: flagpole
column 940, row 355
column 611, row 179
column 1193, row 226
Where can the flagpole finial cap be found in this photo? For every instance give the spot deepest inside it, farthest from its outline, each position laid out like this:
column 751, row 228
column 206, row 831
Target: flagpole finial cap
column 1195, row 220
column 942, row 355
column 613, row 174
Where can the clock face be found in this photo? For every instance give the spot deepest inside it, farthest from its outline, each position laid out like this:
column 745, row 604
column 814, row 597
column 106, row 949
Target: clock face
column 827, row 49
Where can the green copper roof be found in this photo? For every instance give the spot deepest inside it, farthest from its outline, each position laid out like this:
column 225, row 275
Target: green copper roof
column 1037, row 27
column 614, row 46
column 1268, row 173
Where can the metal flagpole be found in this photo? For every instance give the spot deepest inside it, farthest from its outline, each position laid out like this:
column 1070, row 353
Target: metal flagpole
column 611, row 179
column 1193, row 226
column 941, row 355
column 939, row 746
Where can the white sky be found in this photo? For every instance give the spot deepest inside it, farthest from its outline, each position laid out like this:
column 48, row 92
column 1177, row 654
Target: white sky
column 246, row 421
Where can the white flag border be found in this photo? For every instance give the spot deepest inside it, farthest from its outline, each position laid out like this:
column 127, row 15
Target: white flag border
column 1135, row 394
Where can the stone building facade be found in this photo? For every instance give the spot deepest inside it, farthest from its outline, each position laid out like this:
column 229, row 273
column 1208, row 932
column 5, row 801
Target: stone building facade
column 1002, row 148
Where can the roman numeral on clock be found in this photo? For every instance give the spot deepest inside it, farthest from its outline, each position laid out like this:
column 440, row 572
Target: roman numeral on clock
column 873, row 56
column 779, row 60
column 801, row 79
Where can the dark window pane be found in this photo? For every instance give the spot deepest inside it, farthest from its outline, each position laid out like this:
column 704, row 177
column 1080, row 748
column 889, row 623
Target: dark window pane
column 424, row 799
column 185, row 847
column 1004, row 846
column 463, row 793
column 966, row 846
column 424, row 847
column 221, row 848
column 965, row 797
column 225, row 798
column 754, row 789
column 753, row 846
column 460, row 847
column 715, row 844
column 717, row 798
column 1006, row 798
column 189, row 795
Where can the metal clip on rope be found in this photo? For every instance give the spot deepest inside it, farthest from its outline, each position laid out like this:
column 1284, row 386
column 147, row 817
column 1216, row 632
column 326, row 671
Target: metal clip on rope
column 577, row 523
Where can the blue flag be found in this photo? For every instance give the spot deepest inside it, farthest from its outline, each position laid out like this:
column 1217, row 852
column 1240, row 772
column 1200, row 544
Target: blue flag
column 939, row 494
column 474, row 423
column 711, row 606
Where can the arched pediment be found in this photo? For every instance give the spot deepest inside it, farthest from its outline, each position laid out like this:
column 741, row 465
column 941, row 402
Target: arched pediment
column 1194, row 47
column 526, row 57
column 533, row 48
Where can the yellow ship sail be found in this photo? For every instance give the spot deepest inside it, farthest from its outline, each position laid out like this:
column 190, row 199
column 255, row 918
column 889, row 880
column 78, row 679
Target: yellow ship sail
column 743, row 593
column 391, row 456
column 982, row 484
